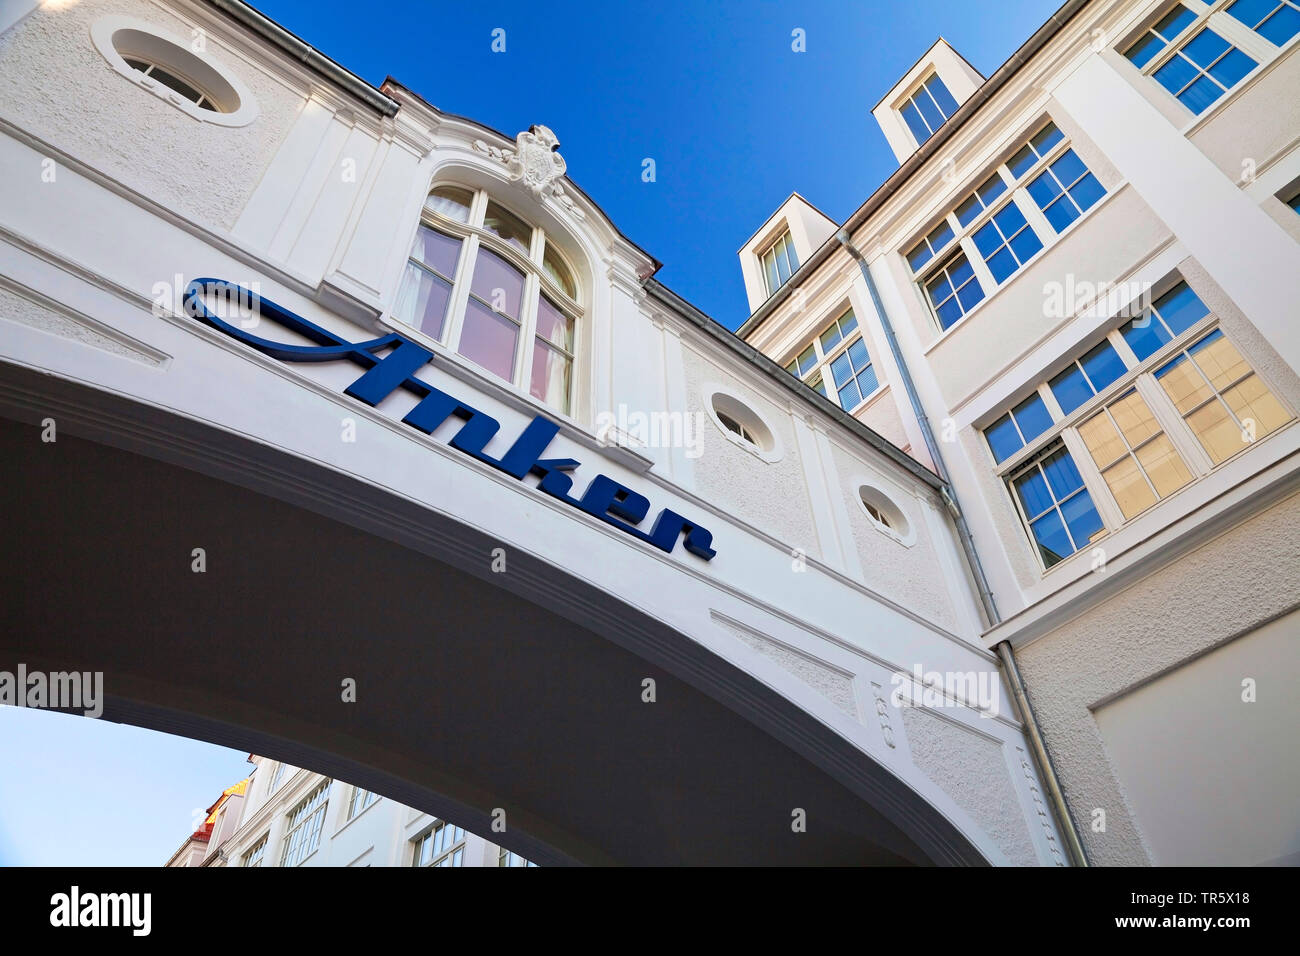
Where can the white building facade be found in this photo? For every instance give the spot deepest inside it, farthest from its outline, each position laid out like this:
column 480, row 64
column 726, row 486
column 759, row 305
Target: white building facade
column 1082, row 283
column 377, row 402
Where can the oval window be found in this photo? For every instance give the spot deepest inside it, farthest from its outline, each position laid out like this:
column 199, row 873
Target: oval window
column 742, row 425
column 884, row 514
column 177, row 69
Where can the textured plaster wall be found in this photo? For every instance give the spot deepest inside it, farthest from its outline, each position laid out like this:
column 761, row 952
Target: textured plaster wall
column 833, row 684
column 882, row 417
column 772, row 496
column 1262, row 122
column 1226, row 588
column 909, row 575
column 56, row 85
column 970, row 769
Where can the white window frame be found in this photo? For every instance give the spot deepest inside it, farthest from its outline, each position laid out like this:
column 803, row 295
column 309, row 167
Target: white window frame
column 311, row 824
column 1139, row 375
column 537, row 282
column 1016, row 191
column 820, row 370
column 255, row 856
column 791, row 260
column 1215, row 16
column 457, row 842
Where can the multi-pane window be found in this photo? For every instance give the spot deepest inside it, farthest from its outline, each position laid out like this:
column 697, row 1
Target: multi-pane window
column 1006, row 241
column 1133, row 423
column 257, row 854
column 507, row 858
column 1198, row 62
column 1224, row 402
column 1018, row 427
column 1065, row 190
column 779, row 262
column 1275, row 20
column 360, row 800
column 275, row 778
column 736, row 428
column 1087, row 375
column 496, row 290
column 838, row 357
column 306, row 821
column 173, row 82
column 927, row 109
column 1137, row 460
column 1169, row 317
column 953, row 289
column 1056, row 505
column 855, row 378
column 999, row 226
column 441, row 845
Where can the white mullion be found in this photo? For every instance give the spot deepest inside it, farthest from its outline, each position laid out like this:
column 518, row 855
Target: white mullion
column 982, row 273
column 1194, row 455
column 1112, row 516
column 460, row 292
column 527, row 324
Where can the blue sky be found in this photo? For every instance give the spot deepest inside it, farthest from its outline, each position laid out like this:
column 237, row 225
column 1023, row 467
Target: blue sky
column 735, row 121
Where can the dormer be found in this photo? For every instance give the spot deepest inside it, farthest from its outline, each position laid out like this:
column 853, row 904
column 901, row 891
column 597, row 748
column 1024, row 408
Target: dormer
column 772, row 254
column 923, row 100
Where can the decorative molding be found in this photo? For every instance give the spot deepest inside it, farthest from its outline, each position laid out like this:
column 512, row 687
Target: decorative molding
column 1040, row 809
column 882, row 711
column 536, row 163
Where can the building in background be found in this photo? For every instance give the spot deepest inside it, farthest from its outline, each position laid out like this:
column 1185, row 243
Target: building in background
column 1077, row 300
column 577, row 555
column 285, row 816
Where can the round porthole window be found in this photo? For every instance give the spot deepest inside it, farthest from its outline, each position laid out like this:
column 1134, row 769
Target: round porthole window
column 742, row 425
column 181, row 73
column 885, row 514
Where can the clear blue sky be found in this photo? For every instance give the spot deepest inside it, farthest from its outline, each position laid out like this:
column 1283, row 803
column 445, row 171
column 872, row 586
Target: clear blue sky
column 735, row 122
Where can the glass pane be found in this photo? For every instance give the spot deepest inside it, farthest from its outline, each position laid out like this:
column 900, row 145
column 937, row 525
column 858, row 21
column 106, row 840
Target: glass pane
column 1216, row 430
column 919, row 256
column 1034, row 496
column 968, row 210
column 858, row 353
column 991, row 188
column 1281, row 26
column 1071, row 389
column 928, row 109
column 553, row 326
column 1181, row 308
column 489, row 339
column 558, row 271
column 451, row 201
column 1230, row 70
column 818, row 386
column 830, row 338
column 1061, row 473
column 550, row 377
column 1175, row 74
column 1145, row 336
column 1046, row 138
column 1032, row 417
column 498, row 283
column 987, row 239
column 1053, row 543
column 1131, row 491
column 941, row 95
column 1219, row 360
column 769, row 270
column 948, row 313
column 422, row 302
column 1069, row 167
column 1251, row 12
column 806, row 360
column 1145, row 50
column 843, row 371
column 436, row 250
column 847, row 323
column 940, row 236
column 1200, row 94
column 1134, row 418
column 914, row 122
column 1025, row 243
column 1003, row 264
column 1164, row 466
column 1044, row 188
column 1183, row 384
column 1082, row 519
column 1104, row 443
column 508, row 226
column 1060, row 214
column 1086, row 192
column 1252, row 400
column 1022, row 161
column 850, row 396
column 1175, row 22
column 1204, row 48
column 1004, row 441
column 970, row 293
column 175, row 83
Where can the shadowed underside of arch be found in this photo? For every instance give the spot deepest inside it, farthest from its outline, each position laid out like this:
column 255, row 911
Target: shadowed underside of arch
column 475, row 690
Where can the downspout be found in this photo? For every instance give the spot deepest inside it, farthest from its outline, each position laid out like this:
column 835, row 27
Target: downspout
column 1006, row 657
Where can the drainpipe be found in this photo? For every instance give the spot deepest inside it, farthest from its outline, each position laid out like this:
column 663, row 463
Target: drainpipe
column 1006, row 656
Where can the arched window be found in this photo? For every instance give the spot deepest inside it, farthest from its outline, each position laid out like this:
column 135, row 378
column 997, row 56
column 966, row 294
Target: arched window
column 495, row 289
column 735, row 427
column 200, row 98
column 885, row 513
